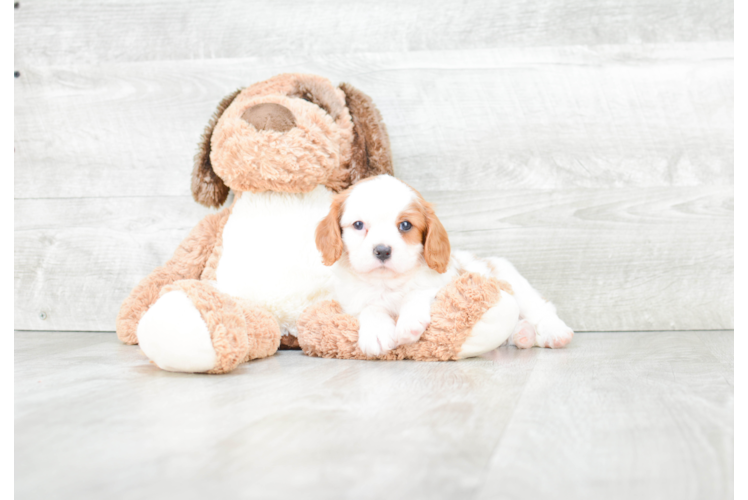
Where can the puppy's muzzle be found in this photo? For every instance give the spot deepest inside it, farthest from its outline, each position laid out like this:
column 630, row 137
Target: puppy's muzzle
column 382, row 252
column 269, row 116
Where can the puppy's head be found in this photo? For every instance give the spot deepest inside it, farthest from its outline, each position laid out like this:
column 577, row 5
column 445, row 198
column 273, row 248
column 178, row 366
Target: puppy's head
column 383, row 227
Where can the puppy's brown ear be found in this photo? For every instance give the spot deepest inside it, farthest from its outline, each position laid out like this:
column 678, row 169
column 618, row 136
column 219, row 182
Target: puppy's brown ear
column 436, row 248
column 207, row 188
column 329, row 235
column 371, row 144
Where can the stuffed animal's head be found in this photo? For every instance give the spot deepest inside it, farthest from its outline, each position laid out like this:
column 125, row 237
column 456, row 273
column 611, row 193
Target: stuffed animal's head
column 290, row 134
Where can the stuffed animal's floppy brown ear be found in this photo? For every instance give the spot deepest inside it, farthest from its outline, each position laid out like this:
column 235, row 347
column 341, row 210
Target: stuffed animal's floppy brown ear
column 371, row 144
column 207, row 188
column 319, row 91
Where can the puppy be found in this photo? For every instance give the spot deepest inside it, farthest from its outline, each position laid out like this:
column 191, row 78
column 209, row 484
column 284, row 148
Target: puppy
column 391, row 255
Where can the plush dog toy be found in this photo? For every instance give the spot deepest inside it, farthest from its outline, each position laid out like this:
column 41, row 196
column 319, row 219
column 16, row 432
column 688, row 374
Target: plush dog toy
column 236, row 287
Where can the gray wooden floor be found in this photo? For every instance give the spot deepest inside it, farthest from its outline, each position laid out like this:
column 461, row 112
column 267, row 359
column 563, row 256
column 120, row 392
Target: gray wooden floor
column 616, row 415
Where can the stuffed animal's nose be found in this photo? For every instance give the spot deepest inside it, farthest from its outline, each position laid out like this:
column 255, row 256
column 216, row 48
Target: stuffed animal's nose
column 269, row 116
column 382, row 252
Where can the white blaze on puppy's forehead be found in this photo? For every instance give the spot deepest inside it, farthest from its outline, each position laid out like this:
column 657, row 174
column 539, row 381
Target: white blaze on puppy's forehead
column 380, row 199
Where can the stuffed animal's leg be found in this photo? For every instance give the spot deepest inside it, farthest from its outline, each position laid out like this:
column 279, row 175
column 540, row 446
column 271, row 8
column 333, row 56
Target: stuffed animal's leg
column 195, row 328
column 471, row 315
column 495, row 326
column 188, row 262
column 549, row 329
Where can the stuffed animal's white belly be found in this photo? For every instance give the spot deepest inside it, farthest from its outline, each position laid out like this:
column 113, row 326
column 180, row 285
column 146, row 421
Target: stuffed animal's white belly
column 269, row 254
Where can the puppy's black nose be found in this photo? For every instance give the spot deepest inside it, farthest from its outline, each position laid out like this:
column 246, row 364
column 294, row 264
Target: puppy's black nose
column 382, row 252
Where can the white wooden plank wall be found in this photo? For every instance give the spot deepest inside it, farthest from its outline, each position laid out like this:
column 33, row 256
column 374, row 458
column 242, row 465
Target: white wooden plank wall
column 588, row 141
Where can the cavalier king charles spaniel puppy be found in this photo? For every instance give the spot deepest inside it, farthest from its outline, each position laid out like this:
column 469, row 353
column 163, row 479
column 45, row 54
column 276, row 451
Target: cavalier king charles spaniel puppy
column 391, row 255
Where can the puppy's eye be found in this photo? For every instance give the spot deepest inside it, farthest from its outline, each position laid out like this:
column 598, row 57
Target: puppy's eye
column 358, row 225
column 405, row 226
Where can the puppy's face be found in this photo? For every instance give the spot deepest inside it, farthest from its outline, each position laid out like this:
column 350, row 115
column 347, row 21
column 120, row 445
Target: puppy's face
column 384, row 228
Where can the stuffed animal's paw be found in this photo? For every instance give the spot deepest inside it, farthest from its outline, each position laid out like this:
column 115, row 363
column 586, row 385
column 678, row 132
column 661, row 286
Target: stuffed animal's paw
column 175, row 337
column 195, row 328
column 552, row 332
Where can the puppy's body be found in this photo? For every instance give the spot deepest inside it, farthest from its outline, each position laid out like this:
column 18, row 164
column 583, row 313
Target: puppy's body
column 378, row 300
column 391, row 256
column 355, row 292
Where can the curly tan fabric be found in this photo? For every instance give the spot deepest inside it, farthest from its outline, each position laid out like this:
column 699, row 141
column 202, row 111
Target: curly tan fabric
column 188, row 262
column 263, row 331
column 326, row 332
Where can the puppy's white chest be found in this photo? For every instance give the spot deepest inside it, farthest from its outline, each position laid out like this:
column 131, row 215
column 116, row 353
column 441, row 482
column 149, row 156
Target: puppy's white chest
column 269, row 253
column 354, row 294
column 367, row 295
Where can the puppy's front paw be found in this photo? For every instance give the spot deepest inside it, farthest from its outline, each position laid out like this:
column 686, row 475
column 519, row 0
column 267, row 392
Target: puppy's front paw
column 376, row 337
column 552, row 332
column 410, row 328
